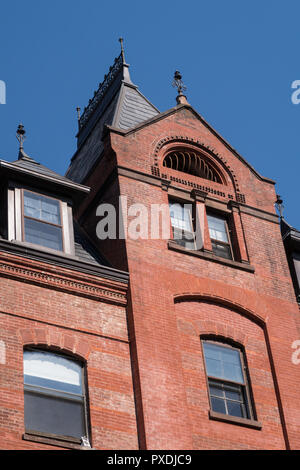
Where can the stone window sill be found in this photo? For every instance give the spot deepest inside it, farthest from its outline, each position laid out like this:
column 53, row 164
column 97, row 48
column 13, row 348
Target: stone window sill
column 249, row 423
column 54, row 441
column 211, row 257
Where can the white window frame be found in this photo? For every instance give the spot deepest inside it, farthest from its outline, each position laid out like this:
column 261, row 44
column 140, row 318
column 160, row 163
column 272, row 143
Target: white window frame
column 15, row 202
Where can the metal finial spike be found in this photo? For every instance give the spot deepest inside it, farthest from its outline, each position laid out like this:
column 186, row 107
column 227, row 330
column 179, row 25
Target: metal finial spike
column 78, row 116
column 21, row 135
column 121, row 40
column 178, row 83
column 279, row 205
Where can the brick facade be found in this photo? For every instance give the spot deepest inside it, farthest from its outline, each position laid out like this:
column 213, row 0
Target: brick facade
column 84, row 316
column 141, row 340
column 177, row 296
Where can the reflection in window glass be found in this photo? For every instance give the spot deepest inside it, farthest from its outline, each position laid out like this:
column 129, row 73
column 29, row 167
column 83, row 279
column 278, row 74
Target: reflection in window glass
column 42, row 221
column 226, row 382
column 54, row 395
column 223, row 363
column 219, row 236
column 181, row 222
column 42, row 234
column 40, row 207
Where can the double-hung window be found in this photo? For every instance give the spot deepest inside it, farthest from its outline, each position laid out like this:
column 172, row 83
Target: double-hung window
column 181, row 222
column 54, row 396
column 227, row 382
column 42, row 221
column 219, row 235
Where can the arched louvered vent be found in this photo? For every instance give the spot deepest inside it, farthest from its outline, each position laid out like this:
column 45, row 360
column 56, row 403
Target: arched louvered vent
column 192, row 163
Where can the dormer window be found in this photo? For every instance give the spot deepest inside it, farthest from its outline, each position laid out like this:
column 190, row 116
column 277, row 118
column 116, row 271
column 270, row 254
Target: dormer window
column 39, row 204
column 42, row 221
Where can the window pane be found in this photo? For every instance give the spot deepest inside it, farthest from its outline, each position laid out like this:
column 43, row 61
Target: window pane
column 52, row 371
column 181, row 222
column 215, row 390
column 222, row 362
column 184, row 238
column 41, row 207
column 32, row 205
column 218, row 405
column 223, row 251
column 232, row 394
column 217, row 228
column 54, row 416
column 181, row 216
column 236, row 409
column 214, row 368
column 43, row 234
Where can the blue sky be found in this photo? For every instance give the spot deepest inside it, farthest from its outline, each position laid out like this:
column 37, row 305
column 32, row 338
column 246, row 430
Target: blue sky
column 238, row 60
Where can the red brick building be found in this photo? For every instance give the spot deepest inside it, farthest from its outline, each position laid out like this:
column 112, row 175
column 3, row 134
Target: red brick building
column 145, row 342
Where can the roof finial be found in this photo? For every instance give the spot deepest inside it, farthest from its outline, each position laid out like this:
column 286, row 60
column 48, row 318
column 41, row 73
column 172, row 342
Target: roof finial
column 121, row 40
column 279, row 205
column 178, row 83
column 78, row 116
column 21, row 135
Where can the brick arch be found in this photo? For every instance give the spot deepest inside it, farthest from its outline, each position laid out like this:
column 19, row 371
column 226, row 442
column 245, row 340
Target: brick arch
column 236, row 342
column 56, row 340
column 165, row 144
column 223, row 302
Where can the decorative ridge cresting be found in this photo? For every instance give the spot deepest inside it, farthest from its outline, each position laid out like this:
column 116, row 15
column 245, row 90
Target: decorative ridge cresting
column 98, row 94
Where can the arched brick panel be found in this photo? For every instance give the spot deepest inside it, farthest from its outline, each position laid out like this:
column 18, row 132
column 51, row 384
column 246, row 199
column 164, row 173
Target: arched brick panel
column 168, row 142
column 64, row 341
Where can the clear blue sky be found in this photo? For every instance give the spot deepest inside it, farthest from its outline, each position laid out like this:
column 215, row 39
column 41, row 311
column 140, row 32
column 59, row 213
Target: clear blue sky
column 238, row 60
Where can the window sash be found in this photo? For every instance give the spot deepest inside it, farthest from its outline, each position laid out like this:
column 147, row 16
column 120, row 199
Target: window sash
column 223, row 363
column 182, row 224
column 224, row 383
column 180, row 216
column 75, row 402
column 54, row 415
column 219, row 235
column 224, row 404
column 53, row 237
column 39, row 211
column 54, row 393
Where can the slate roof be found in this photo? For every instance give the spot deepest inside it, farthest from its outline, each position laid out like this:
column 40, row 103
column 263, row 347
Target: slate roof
column 85, row 251
column 133, row 108
column 118, row 103
column 127, row 104
column 27, row 166
column 27, row 163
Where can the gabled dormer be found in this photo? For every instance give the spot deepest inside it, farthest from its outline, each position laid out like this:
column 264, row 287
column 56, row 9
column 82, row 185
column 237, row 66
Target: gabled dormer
column 37, row 204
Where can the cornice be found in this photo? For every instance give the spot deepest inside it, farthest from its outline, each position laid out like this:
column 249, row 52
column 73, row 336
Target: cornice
column 48, row 277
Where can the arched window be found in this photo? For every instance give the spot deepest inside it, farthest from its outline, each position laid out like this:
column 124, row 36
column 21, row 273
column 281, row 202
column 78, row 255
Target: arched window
column 192, row 163
column 228, row 387
column 54, row 396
